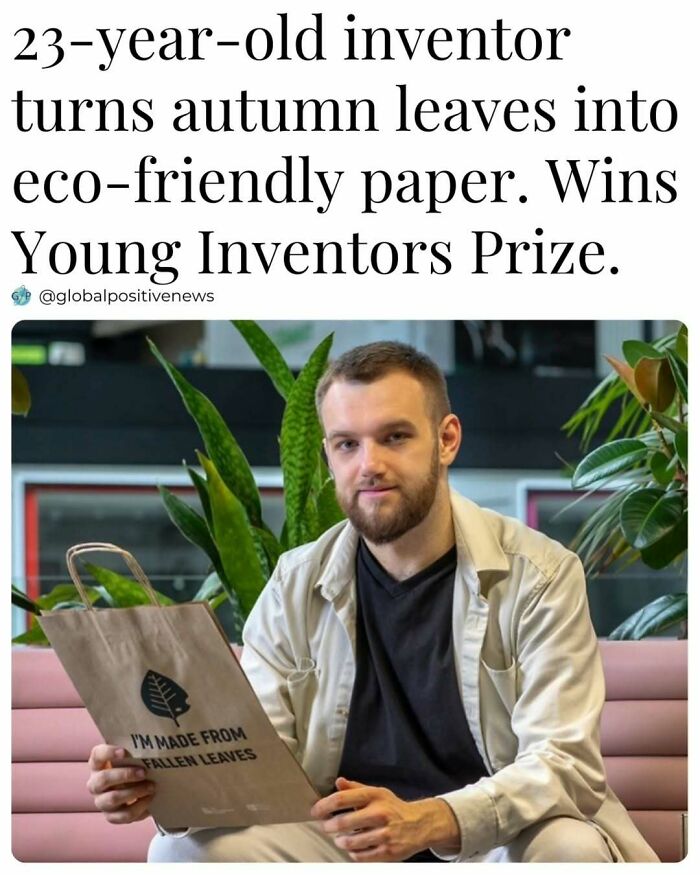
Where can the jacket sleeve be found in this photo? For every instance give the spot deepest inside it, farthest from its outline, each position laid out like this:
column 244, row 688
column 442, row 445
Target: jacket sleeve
column 558, row 769
column 268, row 660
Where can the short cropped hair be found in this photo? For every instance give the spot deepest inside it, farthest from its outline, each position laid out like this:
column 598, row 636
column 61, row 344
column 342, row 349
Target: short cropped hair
column 372, row 361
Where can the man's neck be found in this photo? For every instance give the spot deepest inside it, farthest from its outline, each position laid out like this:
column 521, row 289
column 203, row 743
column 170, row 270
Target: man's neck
column 423, row 544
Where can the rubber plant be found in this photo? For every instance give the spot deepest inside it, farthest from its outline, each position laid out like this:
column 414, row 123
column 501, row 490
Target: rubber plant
column 229, row 528
column 643, row 463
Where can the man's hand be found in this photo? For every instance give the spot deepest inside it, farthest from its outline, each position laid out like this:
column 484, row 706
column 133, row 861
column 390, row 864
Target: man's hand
column 384, row 828
column 121, row 793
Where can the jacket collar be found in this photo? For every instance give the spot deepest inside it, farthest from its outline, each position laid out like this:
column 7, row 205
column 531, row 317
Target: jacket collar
column 478, row 550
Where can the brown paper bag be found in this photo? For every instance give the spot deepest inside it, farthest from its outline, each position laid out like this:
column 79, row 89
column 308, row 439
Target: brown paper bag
column 163, row 683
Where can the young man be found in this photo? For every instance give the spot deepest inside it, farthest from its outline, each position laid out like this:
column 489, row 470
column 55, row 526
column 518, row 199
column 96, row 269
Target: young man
column 431, row 664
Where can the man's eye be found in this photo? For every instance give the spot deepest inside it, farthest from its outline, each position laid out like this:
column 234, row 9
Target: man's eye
column 396, row 437
column 345, row 445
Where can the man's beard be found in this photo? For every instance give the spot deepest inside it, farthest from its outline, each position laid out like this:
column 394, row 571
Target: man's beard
column 378, row 526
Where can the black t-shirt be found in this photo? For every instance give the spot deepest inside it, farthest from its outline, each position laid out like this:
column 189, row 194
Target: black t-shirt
column 407, row 729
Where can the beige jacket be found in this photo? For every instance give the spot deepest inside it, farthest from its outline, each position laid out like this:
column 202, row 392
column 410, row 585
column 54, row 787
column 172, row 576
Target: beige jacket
column 527, row 663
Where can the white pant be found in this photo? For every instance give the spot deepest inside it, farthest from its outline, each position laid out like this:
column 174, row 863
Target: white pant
column 557, row 840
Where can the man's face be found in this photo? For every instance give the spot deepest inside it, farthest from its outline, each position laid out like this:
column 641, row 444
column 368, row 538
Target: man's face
column 383, row 450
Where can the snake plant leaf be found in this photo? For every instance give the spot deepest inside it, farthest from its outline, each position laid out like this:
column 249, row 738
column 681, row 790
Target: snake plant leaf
column 681, row 446
column 124, row 592
column 653, row 618
column 272, row 547
column 191, row 525
column 607, row 460
column 655, row 383
column 200, row 484
column 300, row 441
column 633, row 350
column 310, row 526
column 668, row 548
column 679, row 369
column 263, row 558
column 648, row 514
column 239, row 557
column 267, row 353
column 210, row 588
column 21, row 397
column 681, row 345
column 329, row 512
column 221, row 446
column 663, row 468
column 21, row 600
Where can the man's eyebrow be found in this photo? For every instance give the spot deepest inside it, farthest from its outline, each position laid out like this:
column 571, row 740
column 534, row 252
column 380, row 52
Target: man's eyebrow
column 385, row 426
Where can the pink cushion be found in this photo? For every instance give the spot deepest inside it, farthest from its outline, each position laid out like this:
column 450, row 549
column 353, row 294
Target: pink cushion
column 645, row 728
column 655, row 668
column 643, row 738
column 78, row 838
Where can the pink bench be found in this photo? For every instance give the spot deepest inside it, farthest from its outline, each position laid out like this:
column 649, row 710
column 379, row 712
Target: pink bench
column 644, row 740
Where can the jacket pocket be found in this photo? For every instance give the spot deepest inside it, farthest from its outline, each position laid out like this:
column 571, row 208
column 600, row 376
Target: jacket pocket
column 302, row 685
column 505, row 682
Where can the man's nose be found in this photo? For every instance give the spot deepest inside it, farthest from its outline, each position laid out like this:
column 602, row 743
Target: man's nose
column 372, row 459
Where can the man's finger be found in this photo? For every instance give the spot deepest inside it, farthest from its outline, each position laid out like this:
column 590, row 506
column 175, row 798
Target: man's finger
column 327, row 806
column 364, row 819
column 130, row 813
column 110, row 779
column 103, row 754
column 115, row 800
column 361, row 841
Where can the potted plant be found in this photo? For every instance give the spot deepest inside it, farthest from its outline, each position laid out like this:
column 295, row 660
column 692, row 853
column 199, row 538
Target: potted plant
column 644, row 461
column 229, row 528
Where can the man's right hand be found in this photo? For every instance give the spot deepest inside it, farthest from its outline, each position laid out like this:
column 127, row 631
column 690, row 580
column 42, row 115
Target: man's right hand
column 121, row 793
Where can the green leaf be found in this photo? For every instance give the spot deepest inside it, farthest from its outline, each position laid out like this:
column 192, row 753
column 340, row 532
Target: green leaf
column 648, row 514
column 668, row 548
column 221, row 446
column 667, row 421
column 22, row 600
column 680, row 443
column 300, row 441
column 124, row 592
column 34, row 636
column 607, row 460
column 21, row 398
column 200, row 484
column 680, row 373
column 267, row 353
column 191, row 525
column 271, row 545
column 633, row 350
column 66, row 592
column 681, row 344
column 329, row 512
column 232, row 533
column 218, row 600
column 663, row 468
column 211, row 586
column 655, row 617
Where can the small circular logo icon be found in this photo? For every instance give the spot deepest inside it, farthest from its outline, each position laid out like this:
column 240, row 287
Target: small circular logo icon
column 21, row 296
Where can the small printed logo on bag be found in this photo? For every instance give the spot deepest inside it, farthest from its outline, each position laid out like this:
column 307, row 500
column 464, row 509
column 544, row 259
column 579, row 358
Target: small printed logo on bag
column 163, row 697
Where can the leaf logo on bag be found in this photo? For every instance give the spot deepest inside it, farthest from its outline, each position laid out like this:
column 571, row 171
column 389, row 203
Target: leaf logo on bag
column 163, row 697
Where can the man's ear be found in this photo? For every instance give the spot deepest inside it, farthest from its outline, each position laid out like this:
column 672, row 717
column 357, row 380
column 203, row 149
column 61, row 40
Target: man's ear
column 450, row 438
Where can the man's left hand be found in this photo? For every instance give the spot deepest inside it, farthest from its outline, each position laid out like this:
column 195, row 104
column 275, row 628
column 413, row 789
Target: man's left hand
column 383, row 828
